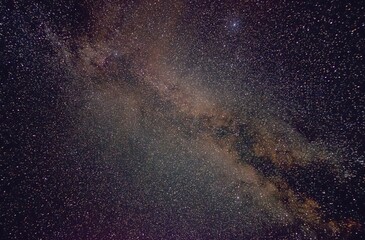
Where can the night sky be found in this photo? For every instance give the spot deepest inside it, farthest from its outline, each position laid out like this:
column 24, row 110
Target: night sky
column 182, row 119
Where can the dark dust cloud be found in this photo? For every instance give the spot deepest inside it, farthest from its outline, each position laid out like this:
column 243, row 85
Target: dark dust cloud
column 182, row 120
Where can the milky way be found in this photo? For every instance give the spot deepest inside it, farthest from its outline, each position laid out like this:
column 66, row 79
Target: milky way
column 181, row 120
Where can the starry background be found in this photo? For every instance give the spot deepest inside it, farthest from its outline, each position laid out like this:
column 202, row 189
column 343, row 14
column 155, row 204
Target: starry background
column 182, row 120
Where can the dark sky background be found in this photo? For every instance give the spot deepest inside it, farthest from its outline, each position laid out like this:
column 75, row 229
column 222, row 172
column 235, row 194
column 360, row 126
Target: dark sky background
column 172, row 120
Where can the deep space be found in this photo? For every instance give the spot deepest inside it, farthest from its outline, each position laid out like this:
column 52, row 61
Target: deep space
column 182, row 119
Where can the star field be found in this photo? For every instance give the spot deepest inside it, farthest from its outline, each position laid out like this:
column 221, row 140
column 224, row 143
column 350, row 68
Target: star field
column 182, row 120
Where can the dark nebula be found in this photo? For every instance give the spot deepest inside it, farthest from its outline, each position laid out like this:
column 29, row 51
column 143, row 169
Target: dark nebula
column 182, row 120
